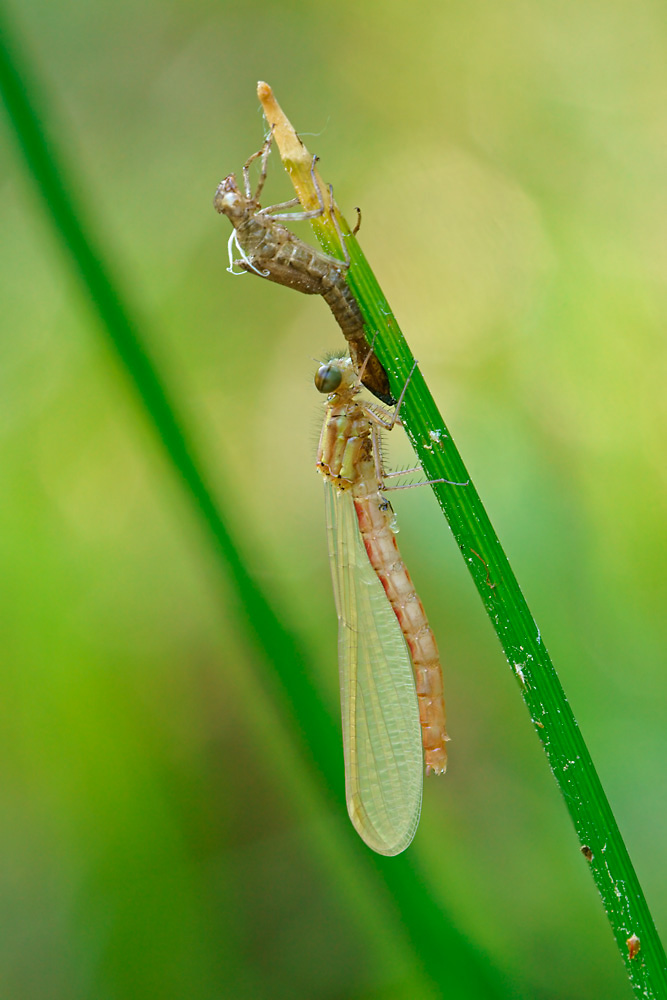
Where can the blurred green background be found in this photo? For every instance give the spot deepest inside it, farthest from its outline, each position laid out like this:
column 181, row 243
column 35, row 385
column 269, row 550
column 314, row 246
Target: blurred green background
column 161, row 834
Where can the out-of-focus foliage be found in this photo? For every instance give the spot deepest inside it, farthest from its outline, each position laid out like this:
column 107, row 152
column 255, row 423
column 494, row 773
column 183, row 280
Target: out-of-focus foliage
column 510, row 162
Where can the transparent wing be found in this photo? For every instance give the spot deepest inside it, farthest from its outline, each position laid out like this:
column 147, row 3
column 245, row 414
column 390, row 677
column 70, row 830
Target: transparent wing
column 381, row 732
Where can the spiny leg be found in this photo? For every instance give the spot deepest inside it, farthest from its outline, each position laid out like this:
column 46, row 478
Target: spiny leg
column 283, row 204
column 381, row 417
column 313, row 213
column 332, row 209
column 399, row 401
column 299, row 216
column 425, row 482
column 264, row 153
column 332, row 215
column 381, row 420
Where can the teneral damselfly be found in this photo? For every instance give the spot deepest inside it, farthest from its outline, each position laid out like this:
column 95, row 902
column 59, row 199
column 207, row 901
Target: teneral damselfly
column 391, row 680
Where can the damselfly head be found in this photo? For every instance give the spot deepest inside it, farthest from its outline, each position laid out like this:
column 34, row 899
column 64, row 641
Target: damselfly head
column 335, row 374
column 328, row 378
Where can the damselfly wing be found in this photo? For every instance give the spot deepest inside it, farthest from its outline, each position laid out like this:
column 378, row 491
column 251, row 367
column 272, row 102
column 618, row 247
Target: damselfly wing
column 382, row 739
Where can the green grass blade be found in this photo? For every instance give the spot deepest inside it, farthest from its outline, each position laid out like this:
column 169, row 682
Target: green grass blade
column 445, row 955
column 554, row 722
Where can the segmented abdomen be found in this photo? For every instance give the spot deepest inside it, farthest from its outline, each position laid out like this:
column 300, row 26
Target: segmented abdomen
column 346, row 310
column 375, row 519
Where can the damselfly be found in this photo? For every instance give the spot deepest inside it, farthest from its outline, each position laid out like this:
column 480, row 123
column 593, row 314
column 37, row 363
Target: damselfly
column 390, row 675
column 272, row 251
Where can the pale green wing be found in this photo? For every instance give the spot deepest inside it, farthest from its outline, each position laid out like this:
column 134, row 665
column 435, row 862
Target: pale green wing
column 381, row 732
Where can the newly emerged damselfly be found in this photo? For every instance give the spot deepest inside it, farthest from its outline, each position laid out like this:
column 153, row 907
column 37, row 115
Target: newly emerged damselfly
column 390, row 676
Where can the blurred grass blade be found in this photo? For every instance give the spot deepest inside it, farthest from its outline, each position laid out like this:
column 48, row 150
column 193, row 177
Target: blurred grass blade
column 445, row 955
column 600, row 839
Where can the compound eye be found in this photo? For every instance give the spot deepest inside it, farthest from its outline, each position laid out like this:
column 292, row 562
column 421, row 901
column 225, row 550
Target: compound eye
column 328, row 377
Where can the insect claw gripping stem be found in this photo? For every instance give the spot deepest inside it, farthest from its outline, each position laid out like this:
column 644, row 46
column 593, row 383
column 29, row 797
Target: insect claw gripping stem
column 271, row 251
column 387, row 422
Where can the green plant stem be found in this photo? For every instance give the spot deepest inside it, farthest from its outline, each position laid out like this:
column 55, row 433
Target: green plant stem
column 307, row 724
column 550, row 713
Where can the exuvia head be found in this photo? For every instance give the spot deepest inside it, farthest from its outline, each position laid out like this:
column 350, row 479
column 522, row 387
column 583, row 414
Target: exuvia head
column 230, row 201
